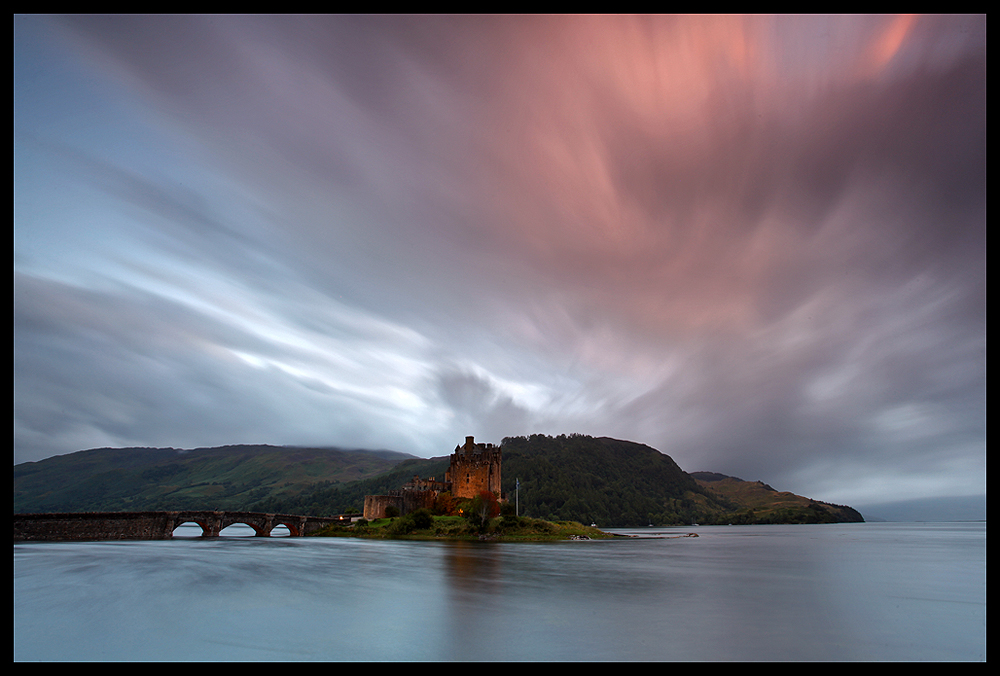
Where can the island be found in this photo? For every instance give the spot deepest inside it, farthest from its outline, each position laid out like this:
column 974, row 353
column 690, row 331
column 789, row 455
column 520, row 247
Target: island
column 422, row 525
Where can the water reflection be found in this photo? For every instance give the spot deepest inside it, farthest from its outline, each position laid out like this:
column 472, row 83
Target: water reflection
column 473, row 568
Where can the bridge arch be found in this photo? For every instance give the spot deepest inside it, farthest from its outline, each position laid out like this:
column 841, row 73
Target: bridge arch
column 293, row 525
column 260, row 523
column 188, row 529
column 205, row 521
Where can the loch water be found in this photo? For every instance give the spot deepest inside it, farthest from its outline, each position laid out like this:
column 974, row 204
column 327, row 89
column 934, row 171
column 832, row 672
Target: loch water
column 836, row 592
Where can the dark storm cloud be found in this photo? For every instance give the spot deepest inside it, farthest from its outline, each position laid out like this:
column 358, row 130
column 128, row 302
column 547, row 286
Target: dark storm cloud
column 480, row 405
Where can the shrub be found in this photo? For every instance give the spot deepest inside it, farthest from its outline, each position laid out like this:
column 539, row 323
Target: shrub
column 422, row 518
column 402, row 525
column 510, row 522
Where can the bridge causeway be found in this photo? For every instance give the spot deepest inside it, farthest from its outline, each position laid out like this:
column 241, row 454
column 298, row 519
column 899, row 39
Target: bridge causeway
column 157, row 525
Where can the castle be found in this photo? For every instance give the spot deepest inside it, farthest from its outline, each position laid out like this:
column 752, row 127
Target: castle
column 474, row 468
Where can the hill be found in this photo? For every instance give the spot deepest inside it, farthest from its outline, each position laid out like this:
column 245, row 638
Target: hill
column 604, row 481
column 565, row 478
column 759, row 503
column 227, row 477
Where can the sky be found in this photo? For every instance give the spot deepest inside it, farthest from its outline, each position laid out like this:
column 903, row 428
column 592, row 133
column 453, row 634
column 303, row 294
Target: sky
column 754, row 243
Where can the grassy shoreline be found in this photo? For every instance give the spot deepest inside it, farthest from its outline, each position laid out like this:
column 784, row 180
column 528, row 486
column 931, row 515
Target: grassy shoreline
column 501, row 529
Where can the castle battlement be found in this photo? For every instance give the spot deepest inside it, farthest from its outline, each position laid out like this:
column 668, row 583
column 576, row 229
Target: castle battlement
column 471, row 447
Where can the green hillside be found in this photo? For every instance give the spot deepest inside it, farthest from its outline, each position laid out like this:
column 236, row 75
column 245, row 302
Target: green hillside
column 620, row 483
column 603, row 481
column 228, row 477
column 759, row 503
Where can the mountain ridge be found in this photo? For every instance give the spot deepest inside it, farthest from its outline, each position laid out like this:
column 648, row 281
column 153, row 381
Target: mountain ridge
column 568, row 477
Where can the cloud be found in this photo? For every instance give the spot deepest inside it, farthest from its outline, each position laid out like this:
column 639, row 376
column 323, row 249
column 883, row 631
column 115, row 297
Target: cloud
column 756, row 243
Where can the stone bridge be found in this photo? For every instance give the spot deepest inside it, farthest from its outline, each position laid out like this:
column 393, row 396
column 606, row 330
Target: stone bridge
column 157, row 525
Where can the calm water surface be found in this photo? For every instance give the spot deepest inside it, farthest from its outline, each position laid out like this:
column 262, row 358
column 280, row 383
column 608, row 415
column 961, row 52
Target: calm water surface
column 832, row 592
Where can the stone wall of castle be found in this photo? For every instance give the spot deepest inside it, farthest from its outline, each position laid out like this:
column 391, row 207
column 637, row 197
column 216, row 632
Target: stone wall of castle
column 375, row 505
column 416, row 493
column 404, row 502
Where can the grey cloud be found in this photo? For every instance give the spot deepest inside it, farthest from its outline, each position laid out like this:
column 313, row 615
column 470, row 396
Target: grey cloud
column 126, row 368
column 478, row 406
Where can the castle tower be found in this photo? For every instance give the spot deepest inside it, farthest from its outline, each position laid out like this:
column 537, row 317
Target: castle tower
column 474, row 468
